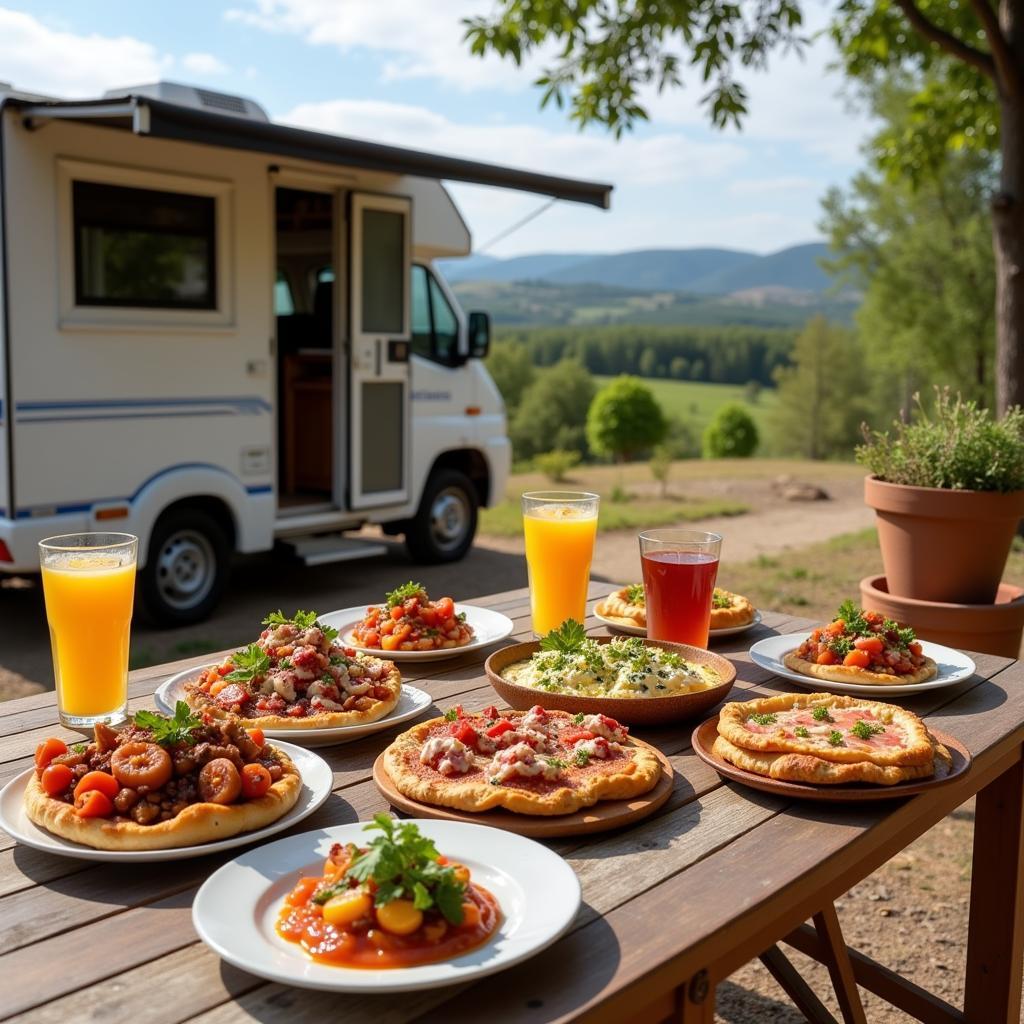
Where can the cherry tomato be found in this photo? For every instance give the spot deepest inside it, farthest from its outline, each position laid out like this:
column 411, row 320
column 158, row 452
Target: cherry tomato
column 56, row 778
column 836, row 628
column 48, row 750
column 445, row 608
column 915, row 648
column 871, row 644
column 428, row 615
column 371, row 638
column 99, row 782
column 256, row 781
column 826, row 657
column 389, row 642
column 256, row 735
column 397, row 612
column 857, row 658
column 94, row 804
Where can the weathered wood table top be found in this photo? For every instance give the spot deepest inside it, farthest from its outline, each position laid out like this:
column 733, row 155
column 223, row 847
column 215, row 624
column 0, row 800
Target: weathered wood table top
column 670, row 907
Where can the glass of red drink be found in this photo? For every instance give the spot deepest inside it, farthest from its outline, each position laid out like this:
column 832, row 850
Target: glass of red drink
column 680, row 568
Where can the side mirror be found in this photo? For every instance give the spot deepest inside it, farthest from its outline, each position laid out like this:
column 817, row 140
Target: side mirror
column 479, row 335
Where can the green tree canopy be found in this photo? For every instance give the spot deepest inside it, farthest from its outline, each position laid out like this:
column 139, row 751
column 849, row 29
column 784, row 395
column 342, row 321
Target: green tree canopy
column 732, row 434
column 512, row 370
column 625, row 419
column 553, row 412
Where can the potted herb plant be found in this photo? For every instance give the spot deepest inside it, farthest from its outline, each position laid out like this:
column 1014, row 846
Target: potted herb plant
column 948, row 492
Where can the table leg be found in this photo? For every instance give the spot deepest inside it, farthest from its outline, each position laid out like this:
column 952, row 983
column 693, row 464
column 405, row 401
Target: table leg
column 802, row 995
column 826, row 923
column 995, row 935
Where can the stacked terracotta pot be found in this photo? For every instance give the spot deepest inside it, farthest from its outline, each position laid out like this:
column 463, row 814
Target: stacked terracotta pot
column 944, row 552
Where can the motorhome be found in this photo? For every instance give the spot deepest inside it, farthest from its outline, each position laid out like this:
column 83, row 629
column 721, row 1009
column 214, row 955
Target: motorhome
column 222, row 334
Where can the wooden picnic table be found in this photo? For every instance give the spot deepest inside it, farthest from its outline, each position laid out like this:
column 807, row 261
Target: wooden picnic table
column 670, row 908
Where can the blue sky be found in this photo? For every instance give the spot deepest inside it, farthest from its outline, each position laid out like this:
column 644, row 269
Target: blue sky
column 397, row 71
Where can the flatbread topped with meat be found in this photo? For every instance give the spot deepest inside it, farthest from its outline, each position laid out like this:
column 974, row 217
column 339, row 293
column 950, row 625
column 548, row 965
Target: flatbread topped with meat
column 729, row 610
column 297, row 676
column 627, row 606
column 161, row 782
column 528, row 762
column 827, row 739
column 862, row 647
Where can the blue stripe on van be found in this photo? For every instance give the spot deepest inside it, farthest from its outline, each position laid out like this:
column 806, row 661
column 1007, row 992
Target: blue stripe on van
column 242, row 402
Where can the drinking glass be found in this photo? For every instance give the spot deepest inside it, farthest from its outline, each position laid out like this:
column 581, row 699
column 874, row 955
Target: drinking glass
column 680, row 567
column 89, row 587
column 560, row 527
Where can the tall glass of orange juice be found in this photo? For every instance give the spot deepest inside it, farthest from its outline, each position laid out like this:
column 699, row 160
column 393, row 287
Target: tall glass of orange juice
column 89, row 587
column 560, row 527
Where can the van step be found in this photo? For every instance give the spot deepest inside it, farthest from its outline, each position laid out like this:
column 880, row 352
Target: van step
column 332, row 548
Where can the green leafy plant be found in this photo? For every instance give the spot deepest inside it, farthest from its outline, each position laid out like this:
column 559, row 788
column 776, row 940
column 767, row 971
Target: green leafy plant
column 732, row 434
column 169, row 731
column 251, row 662
column 556, row 464
column 567, row 638
column 661, row 466
column 956, row 446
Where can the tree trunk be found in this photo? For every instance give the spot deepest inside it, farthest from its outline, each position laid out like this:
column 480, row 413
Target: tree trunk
column 1008, row 226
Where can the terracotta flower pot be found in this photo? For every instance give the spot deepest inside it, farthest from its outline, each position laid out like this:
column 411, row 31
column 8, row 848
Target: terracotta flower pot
column 991, row 628
column 943, row 545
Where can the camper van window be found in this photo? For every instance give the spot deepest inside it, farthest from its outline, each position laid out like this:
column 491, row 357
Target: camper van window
column 140, row 247
column 446, row 327
column 435, row 330
column 422, row 329
column 283, row 304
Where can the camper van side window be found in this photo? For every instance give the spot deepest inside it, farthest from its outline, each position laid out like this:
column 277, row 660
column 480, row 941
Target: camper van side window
column 435, row 330
column 143, row 248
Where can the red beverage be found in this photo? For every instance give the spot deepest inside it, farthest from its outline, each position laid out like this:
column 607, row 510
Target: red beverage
column 677, row 588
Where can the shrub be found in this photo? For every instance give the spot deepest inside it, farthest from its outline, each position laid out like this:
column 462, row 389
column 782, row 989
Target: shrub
column 624, row 419
column 661, row 465
column 957, row 446
column 731, row 434
column 556, row 464
column 553, row 411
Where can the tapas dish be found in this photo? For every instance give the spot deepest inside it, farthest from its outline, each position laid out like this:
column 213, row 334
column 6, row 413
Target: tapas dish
column 625, row 610
column 388, row 907
column 730, row 612
column 297, row 676
column 161, row 788
column 821, row 743
column 540, row 762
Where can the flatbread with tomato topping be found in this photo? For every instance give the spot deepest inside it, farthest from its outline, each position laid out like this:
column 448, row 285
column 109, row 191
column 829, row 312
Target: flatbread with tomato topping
column 529, row 762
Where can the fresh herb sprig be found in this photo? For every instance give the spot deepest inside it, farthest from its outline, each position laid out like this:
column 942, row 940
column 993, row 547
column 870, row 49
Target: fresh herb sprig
column 403, row 864
column 567, row 639
column 865, row 730
column 251, row 662
column 300, row 620
column 635, row 593
column 402, row 594
column 821, row 714
column 170, row 730
column 835, row 737
column 767, row 718
column 720, row 599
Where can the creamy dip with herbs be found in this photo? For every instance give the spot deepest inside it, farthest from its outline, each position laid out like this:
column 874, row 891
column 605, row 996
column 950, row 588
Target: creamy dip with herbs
column 625, row 667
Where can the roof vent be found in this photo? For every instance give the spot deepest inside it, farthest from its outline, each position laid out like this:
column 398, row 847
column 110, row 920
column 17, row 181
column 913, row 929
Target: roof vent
column 197, row 98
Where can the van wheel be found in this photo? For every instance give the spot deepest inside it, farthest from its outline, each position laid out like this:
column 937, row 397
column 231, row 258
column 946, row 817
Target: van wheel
column 187, row 568
column 445, row 525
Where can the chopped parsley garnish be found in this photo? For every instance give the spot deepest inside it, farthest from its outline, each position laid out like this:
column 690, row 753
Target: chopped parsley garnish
column 720, row 599
column 452, row 714
column 403, row 863
column 402, row 594
column 764, row 719
column 168, row 731
column 251, row 662
column 865, row 730
column 635, row 593
column 820, row 714
column 582, row 758
column 557, row 762
column 327, row 678
column 801, row 731
column 78, row 748
column 336, row 659
column 567, row 638
column 577, row 719
column 302, row 620
column 285, row 663
column 835, row 737
column 854, row 619
column 840, row 646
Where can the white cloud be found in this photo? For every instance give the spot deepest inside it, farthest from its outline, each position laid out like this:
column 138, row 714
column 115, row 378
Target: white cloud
column 654, row 159
column 204, row 64
column 39, row 58
column 419, row 39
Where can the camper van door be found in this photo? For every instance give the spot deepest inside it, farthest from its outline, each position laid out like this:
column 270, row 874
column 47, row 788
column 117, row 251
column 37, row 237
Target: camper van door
column 380, row 266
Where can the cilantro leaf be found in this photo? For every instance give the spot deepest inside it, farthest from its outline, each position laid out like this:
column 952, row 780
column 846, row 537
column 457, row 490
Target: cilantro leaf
column 402, row 594
column 252, row 661
column 567, row 638
column 167, row 730
column 635, row 593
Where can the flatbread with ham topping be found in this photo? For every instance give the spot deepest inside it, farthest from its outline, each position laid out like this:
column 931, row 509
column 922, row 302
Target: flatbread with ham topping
column 529, row 762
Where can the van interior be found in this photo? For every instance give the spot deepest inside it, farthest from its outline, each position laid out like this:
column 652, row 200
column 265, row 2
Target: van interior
column 304, row 307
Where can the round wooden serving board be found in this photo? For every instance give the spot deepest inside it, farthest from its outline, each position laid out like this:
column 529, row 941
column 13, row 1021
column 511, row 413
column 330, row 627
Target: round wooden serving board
column 605, row 815
column 704, row 737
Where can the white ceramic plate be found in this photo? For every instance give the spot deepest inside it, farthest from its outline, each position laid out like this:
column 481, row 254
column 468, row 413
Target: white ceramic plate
column 640, row 631
column 317, row 780
column 488, row 625
column 954, row 667
column 235, row 910
column 411, row 702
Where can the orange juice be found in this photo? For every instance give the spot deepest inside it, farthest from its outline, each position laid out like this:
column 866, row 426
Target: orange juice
column 559, row 549
column 89, row 608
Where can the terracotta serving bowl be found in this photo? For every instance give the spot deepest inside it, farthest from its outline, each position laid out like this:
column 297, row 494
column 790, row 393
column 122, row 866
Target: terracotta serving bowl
column 630, row 710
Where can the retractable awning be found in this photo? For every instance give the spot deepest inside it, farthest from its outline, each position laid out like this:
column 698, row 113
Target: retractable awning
column 144, row 115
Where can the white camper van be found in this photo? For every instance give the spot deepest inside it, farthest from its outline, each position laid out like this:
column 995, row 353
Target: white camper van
column 220, row 333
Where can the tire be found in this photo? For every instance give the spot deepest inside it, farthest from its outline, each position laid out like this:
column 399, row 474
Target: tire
column 187, row 568
column 445, row 524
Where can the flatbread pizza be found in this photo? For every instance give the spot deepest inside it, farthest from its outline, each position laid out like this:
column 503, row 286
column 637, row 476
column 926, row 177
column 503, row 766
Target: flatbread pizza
column 862, row 647
column 528, row 762
column 297, row 676
column 827, row 739
column 729, row 610
column 626, row 606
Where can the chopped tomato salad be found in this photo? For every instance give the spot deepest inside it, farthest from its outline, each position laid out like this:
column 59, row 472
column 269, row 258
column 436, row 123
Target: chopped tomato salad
column 410, row 621
column 865, row 640
column 395, row 902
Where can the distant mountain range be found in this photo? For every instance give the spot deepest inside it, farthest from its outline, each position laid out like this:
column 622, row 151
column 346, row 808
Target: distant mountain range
column 695, row 271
